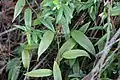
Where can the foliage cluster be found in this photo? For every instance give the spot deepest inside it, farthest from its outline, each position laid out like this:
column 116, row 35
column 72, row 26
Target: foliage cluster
column 69, row 36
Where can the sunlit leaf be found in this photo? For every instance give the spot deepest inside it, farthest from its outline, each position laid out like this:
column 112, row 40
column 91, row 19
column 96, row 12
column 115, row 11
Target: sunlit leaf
column 25, row 58
column 18, row 8
column 71, row 54
column 39, row 73
column 56, row 72
column 45, row 42
column 83, row 40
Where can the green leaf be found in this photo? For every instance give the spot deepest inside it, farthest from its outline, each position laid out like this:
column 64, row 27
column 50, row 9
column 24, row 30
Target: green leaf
column 47, row 14
column 25, row 58
column 76, row 66
column 47, row 23
column 72, row 54
column 29, row 39
column 92, row 12
column 101, row 39
column 115, row 11
column 45, row 42
column 57, row 3
column 97, row 28
column 84, row 27
column 68, row 45
column 13, row 63
column 21, row 27
column 59, row 15
column 36, row 22
column 71, row 62
column 28, row 17
column 65, row 26
column 18, row 8
column 39, row 73
column 10, row 74
column 68, row 13
column 83, row 40
column 34, row 37
column 56, row 72
column 15, row 73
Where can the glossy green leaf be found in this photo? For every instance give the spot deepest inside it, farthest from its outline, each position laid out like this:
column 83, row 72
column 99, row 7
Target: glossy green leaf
column 72, row 54
column 83, row 40
column 25, row 58
column 84, row 27
column 18, row 8
column 39, row 73
column 45, row 42
column 115, row 11
column 56, row 72
column 28, row 17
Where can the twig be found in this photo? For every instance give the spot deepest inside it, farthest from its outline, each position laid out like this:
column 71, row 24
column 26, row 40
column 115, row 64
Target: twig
column 97, row 69
column 40, row 62
column 31, row 7
column 7, row 31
